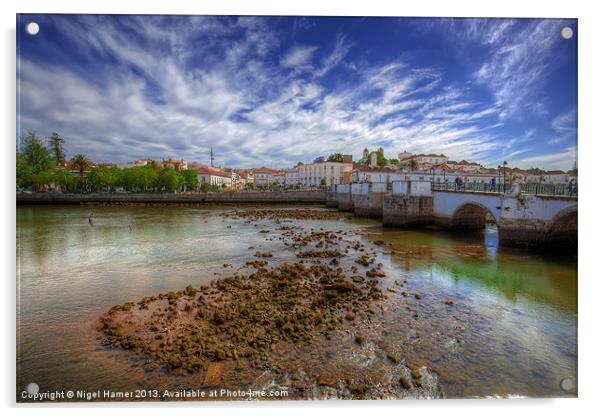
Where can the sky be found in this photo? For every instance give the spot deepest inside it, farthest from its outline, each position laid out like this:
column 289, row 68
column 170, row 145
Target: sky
column 273, row 91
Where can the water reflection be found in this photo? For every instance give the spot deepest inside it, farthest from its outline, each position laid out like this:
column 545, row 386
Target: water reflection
column 512, row 328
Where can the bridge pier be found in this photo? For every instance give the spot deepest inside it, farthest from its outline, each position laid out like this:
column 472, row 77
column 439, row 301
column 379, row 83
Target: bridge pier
column 331, row 198
column 410, row 204
column 344, row 201
column 368, row 199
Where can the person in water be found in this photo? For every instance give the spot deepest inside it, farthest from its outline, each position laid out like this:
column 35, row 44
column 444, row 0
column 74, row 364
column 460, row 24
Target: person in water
column 91, row 219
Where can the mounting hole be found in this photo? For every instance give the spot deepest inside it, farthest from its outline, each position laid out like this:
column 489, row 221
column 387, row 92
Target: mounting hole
column 32, row 28
column 566, row 32
column 566, row 384
column 33, row 388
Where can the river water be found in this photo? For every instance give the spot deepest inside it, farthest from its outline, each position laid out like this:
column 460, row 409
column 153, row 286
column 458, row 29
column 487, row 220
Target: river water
column 511, row 331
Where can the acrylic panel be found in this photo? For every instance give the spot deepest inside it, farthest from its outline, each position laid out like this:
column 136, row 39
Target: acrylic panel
column 293, row 208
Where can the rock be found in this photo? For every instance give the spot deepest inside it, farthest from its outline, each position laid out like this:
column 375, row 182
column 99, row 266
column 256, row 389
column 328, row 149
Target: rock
column 405, row 383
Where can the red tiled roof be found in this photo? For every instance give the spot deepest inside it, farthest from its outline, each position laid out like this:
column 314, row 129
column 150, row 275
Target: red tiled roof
column 204, row 170
column 265, row 170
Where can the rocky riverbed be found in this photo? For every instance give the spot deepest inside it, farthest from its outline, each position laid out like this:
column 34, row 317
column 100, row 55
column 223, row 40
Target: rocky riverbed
column 309, row 325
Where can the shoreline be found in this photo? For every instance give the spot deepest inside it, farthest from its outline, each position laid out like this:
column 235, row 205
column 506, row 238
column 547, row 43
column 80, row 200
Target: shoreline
column 275, row 197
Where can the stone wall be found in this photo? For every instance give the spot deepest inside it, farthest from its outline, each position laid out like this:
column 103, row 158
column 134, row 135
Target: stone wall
column 369, row 205
column 318, row 196
column 331, row 199
column 407, row 210
column 344, row 201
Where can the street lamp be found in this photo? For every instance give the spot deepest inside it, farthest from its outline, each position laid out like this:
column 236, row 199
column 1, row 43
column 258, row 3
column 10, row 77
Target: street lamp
column 499, row 179
column 505, row 163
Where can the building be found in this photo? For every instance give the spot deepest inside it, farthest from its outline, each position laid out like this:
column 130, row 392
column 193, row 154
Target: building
column 213, row 177
column 426, row 161
column 330, row 173
column 465, row 166
column 263, row 176
column 556, row 176
column 405, row 155
column 291, row 178
column 246, row 178
column 278, row 178
column 375, row 174
column 175, row 164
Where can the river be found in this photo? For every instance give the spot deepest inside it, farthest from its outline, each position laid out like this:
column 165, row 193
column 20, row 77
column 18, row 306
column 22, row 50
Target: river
column 511, row 331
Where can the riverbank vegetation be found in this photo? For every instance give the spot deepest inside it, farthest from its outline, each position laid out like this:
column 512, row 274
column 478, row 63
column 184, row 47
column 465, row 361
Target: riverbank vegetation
column 42, row 168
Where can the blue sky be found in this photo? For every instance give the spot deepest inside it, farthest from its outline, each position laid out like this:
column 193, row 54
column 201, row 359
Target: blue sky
column 276, row 90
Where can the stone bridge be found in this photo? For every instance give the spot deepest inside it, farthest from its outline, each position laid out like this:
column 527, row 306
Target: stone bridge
column 525, row 220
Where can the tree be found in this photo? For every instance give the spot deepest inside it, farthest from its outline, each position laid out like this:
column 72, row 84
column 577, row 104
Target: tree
column 413, row 164
column 65, row 180
column 299, row 164
column 191, row 180
column 81, row 163
column 394, row 161
column 169, row 179
column 323, row 182
column 336, row 157
column 381, row 160
column 35, row 154
column 139, row 178
column 103, row 177
column 24, row 172
column 56, row 147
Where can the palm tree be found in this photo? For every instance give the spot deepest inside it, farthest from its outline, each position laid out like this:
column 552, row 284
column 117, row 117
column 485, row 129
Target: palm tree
column 81, row 163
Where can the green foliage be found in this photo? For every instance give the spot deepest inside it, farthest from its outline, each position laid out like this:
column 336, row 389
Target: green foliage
column 299, row 164
column 381, row 160
column 336, row 157
column 35, row 154
column 191, row 180
column 140, row 178
column 394, row 161
column 169, row 180
column 24, row 172
column 103, row 177
column 323, row 182
column 66, row 180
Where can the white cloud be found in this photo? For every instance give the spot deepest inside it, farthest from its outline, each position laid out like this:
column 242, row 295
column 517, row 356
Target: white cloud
column 298, row 56
column 516, row 67
column 250, row 110
column 562, row 160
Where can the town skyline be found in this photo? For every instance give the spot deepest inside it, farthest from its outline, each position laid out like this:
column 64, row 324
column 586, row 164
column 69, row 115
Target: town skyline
column 273, row 91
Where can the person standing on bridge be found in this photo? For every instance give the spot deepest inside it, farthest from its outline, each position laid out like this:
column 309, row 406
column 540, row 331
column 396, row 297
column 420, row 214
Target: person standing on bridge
column 492, row 187
column 571, row 187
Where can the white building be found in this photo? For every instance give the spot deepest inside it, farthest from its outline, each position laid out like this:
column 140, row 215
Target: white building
column 210, row 176
column 278, row 178
column 556, row 176
column 263, row 176
column 464, row 166
column 372, row 174
column 333, row 173
column 291, row 177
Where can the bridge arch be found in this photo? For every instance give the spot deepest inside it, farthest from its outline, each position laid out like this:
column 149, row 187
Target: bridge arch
column 472, row 215
column 561, row 229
